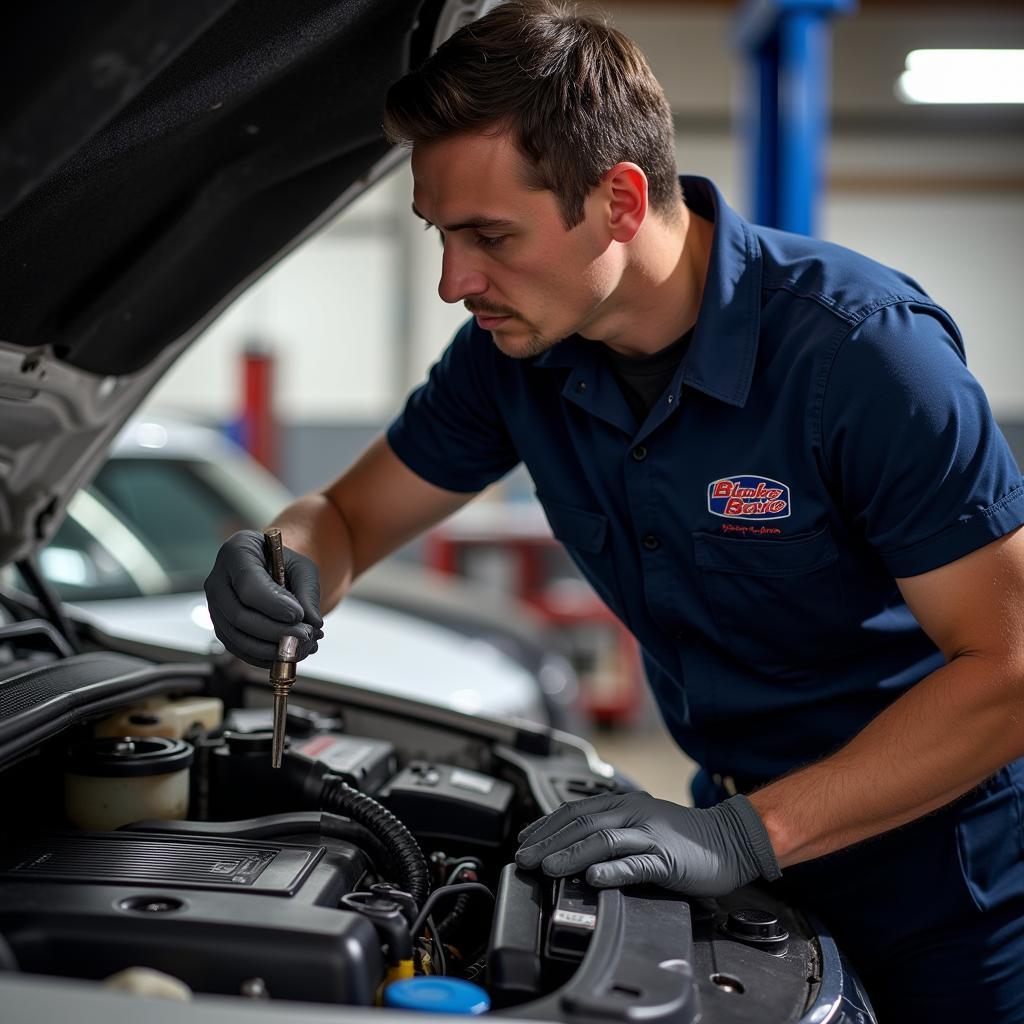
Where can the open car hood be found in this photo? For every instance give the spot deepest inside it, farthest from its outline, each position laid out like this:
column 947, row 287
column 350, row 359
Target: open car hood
column 156, row 159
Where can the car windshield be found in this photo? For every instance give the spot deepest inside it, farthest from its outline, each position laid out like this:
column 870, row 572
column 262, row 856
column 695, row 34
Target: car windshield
column 143, row 527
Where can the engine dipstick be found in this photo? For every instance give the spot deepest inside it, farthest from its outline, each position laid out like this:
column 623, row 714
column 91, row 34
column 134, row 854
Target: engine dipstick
column 282, row 671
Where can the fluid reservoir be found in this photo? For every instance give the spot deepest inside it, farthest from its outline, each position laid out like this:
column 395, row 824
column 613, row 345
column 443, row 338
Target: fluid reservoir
column 161, row 716
column 111, row 782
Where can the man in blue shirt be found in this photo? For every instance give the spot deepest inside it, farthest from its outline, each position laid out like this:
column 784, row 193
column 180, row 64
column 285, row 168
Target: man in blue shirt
column 768, row 457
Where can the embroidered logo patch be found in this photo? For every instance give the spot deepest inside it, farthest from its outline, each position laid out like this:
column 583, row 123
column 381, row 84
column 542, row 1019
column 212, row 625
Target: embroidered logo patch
column 748, row 497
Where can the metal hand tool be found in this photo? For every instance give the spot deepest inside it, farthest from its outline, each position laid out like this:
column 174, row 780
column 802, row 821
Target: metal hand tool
column 282, row 671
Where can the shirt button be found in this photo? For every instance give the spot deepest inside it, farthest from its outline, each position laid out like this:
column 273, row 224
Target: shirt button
column 651, row 542
column 581, row 385
column 679, row 634
column 639, row 453
column 671, row 399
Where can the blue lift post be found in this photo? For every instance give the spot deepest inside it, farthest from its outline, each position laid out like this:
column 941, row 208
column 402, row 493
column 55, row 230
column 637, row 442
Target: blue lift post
column 787, row 44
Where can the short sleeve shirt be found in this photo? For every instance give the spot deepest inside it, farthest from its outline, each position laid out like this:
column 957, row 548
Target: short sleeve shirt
column 821, row 437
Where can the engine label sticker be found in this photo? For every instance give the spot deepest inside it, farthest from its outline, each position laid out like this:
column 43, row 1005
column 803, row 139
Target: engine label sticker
column 339, row 753
column 748, row 497
column 473, row 781
column 575, row 919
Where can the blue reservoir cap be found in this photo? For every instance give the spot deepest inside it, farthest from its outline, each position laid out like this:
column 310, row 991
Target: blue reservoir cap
column 437, row 995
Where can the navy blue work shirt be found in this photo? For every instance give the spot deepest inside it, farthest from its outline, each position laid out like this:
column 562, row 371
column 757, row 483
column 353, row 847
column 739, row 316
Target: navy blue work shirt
column 821, row 436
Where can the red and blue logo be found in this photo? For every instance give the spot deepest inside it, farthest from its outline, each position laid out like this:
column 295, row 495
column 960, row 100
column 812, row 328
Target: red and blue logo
column 748, row 497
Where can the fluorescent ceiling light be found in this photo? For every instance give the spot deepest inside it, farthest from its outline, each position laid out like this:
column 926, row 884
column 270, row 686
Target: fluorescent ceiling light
column 962, row 76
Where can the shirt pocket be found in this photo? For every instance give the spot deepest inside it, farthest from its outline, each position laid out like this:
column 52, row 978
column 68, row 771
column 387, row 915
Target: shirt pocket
column 585, row 536
column 775, row 603
column 990, row 839
column 576, row 527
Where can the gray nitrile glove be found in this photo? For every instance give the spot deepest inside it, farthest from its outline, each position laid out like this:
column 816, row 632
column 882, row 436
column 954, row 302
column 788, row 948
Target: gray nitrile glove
column 250, row 612
column 634, row 838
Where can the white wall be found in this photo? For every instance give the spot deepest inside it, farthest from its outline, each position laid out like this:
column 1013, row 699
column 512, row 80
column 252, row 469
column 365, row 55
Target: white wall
column 330, row 313
column 967, row 253
column 355, row 318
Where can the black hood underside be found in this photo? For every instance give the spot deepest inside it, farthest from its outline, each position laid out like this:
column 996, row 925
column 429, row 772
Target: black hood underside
column 156, row 155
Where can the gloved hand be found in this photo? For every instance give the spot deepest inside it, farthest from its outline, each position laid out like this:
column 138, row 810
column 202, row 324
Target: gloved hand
column 250, row 612
column 633, row 838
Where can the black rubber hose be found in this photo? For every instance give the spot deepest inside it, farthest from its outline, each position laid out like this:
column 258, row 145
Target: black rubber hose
column 444, row 891
column 454, row 915
column 338, row 797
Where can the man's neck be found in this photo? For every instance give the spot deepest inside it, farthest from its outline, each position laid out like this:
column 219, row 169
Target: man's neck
column 659, row 298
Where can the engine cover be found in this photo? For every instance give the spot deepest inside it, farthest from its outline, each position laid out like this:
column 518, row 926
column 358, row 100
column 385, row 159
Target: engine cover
column 212, row 910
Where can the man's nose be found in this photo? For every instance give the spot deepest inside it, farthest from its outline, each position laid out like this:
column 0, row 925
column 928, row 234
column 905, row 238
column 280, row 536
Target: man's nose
column 459, row 277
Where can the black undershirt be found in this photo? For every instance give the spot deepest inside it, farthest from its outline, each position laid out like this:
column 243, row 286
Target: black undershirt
column 643, row 379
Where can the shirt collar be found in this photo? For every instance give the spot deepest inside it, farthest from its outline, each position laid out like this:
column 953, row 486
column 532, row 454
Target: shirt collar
column 720, row 359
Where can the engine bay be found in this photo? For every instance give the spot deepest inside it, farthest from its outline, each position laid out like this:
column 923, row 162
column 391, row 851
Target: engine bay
column 151, row 847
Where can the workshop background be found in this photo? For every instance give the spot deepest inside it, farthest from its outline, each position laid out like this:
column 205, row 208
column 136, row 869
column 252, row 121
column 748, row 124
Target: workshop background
column 332, row 339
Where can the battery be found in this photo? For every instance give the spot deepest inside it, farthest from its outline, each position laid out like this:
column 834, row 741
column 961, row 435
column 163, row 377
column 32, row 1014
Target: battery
column 365, row 764
column 446, row 803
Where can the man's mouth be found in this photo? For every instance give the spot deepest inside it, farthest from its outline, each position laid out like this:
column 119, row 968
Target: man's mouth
column 488, row 320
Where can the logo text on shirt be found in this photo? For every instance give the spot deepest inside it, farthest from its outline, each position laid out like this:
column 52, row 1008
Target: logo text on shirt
column 748, row 496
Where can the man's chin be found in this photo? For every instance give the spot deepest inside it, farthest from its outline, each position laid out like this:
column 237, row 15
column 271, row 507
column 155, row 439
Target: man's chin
column 520, row 344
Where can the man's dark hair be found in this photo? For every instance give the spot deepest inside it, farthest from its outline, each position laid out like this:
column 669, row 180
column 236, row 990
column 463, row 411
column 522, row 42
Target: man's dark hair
column 576, row 95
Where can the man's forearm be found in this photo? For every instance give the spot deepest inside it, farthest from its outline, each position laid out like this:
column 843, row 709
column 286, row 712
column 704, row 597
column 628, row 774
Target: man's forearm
column 313, row 526
column 944, row 736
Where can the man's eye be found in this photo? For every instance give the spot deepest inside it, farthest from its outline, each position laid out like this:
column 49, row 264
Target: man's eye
column 490, row 241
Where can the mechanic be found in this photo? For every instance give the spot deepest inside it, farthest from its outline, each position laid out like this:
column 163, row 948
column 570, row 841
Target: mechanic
column 766, row 454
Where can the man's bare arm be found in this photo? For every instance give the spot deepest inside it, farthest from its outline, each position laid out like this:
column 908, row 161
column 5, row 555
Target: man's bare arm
column 372, row 509
column 944, row 736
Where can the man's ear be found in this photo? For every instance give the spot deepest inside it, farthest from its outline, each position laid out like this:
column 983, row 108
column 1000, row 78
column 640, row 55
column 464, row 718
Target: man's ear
column 625, row 186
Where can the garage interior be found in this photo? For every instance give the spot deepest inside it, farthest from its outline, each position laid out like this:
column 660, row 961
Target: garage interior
column 934, row 188
column 166, row 815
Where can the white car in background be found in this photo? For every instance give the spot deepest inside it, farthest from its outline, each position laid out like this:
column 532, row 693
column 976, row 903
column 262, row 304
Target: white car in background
column 136, row 545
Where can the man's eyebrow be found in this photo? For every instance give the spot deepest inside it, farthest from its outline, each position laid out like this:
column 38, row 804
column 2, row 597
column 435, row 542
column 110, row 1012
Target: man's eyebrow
column 472, row 222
